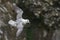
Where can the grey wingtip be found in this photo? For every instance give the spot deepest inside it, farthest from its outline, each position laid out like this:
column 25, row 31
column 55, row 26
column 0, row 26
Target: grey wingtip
column 14, row 4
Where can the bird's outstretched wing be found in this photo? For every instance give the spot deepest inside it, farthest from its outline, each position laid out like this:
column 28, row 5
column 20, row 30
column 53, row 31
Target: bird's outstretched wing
column 20, row 29
column 18, row 10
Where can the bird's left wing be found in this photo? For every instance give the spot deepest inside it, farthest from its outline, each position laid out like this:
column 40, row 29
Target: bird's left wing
column 18, row 10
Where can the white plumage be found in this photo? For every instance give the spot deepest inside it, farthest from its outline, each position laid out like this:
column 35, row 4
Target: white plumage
column 1, row 32
column 20, row 22
column 12, row 23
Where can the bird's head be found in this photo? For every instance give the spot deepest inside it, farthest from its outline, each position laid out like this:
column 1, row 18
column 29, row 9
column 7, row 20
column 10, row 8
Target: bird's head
column 26, row 21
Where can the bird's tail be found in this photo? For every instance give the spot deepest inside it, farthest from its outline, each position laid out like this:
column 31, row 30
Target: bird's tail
column 12, row 23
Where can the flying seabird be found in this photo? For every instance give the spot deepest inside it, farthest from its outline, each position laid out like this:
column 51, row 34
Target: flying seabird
column 19, row 22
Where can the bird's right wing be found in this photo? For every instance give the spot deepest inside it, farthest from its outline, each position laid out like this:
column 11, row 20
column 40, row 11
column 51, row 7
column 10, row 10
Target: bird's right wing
column 20, row 29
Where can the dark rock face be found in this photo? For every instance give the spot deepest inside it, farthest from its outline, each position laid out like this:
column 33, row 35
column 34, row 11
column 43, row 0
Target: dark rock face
column 56, row 35
column 46, row 13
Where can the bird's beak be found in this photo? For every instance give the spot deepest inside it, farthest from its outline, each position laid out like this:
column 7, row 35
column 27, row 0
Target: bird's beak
column 29, row 22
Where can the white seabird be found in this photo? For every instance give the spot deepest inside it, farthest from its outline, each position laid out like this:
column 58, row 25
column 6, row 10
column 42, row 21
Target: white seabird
column 20, row 22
